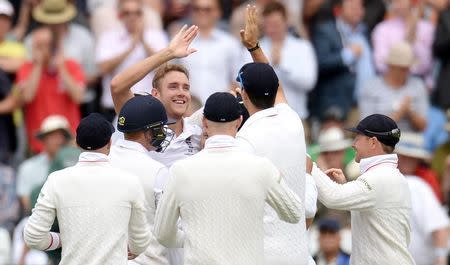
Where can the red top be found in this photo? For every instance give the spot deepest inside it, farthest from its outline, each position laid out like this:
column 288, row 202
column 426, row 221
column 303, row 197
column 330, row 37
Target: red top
column 51, row 98
column 430, row 177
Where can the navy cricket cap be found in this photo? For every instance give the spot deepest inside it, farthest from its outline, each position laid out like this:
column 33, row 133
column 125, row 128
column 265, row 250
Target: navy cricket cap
column 140, row 113
column 380, row 126
column 94, row 132
column 259, row 79
column 222, row 107
column 329, row 224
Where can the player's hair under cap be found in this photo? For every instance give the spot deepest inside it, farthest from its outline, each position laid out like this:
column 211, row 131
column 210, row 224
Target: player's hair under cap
column 259, row 79
column 141, row 113
column 380, row 126
column 222, row 107
column 94, row 132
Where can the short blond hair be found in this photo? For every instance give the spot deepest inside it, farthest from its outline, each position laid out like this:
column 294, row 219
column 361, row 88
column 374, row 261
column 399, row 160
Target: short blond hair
column 164, row 69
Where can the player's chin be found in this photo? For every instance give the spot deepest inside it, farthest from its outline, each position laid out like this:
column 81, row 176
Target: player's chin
column 178, row 110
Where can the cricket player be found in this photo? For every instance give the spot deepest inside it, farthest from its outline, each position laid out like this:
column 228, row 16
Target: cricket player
column 379, row 199
column 220, row 194
column 100, row 209
column 273, row 130
column 171, row 86
column 143, row 121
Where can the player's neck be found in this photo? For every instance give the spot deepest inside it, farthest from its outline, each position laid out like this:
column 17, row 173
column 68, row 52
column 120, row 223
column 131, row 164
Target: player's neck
column 177, row 127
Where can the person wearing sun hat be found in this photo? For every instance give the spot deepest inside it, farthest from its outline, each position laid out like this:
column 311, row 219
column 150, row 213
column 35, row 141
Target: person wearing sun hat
column 54, row 133
column 429, row 225
column 74, row 40
column 396, row 93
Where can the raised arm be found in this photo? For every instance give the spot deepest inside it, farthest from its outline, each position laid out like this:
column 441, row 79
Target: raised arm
column 178, row 48
column 250, row 37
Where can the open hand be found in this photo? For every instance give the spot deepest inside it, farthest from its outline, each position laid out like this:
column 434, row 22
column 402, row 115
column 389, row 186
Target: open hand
column 336, row 174
column 250, row 35
column 179, row 45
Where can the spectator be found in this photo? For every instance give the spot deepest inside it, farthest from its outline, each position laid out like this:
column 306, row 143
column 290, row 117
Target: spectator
column 429, row 222
column 209, row 75
column 50, row 84
column 335, row 150
column 413, row 159
column 397, row 94
column 12, row 53
column 9, row 205
column 132, row 42
column 104, row 16
column 76, row 41
column 441, row 164
column 288, row 55
column 435, row 133
column 344, row 58
column 330, row 252
column 405, row 26
column 54, row 133
column 441, row 51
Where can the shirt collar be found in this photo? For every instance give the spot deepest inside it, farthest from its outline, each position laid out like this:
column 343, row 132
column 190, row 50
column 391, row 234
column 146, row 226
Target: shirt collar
column 93, row 157
column 389, row 160
column 347, row 29
column 220, row 141
column 127, row 144
column 260, row 115
column 188, row 130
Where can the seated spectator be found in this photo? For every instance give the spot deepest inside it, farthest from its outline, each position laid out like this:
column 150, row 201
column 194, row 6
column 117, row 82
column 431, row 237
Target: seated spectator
column 104, row 16
column 54, row 134
column 397, row 94
column 12, row 53
column 50, row 84
column 133, row 42
column 405, row 26
column 75, row 40
column 287, row 55
column 344, row 58
column 435, row 133
column 413, row 160
column 429, row 222
column 214, row 66
column 330, row 252
column 9, row 204
column 441, row 94
column 333, row 150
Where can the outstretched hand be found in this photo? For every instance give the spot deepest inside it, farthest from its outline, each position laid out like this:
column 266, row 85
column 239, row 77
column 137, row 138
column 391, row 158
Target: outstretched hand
column 179, row 45
column 250, row 35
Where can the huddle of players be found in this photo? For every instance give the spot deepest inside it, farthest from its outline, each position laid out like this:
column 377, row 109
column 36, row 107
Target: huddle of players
column 224, row 205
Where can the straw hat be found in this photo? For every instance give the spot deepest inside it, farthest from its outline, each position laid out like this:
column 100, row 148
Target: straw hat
column 401, row 54
column 412, row 145
column 53, row 123
column 332, row 139
column 54, row 12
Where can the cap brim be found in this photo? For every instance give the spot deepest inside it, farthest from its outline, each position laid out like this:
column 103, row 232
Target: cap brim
column 41, row 135
column 354, row 130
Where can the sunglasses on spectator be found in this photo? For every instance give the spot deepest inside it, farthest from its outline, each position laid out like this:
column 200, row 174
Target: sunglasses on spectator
column 127, row 13
column 205, row 9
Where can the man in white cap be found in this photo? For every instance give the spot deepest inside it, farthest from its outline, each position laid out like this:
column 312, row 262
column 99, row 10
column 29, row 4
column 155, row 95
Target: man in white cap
column 100, row 209
column 53, row 134
column 429, row 222
column 220, row 194
column 396, row 93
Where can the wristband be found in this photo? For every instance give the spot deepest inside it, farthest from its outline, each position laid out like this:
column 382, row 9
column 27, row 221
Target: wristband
column 54, row 241
column 254, row 48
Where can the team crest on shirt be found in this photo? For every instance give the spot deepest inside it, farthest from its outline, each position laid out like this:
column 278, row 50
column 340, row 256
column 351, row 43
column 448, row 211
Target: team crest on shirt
column 122, row 121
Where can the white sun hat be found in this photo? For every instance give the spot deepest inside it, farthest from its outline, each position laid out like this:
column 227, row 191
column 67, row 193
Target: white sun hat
column 333, row 139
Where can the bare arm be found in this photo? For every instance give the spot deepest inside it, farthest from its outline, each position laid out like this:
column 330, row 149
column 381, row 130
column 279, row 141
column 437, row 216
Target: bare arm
column 178, row 48
column 440, row 239
column 11, row 65
column 23, row 21
column 29, row 86
column 74, row 88
column 249, row 38
column 8, row 104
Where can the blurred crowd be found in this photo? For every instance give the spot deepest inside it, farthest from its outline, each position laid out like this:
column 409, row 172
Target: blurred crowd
column 338, row 61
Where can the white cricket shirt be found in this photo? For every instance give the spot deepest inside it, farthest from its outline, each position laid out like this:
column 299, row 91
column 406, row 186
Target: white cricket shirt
column 277, row 133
